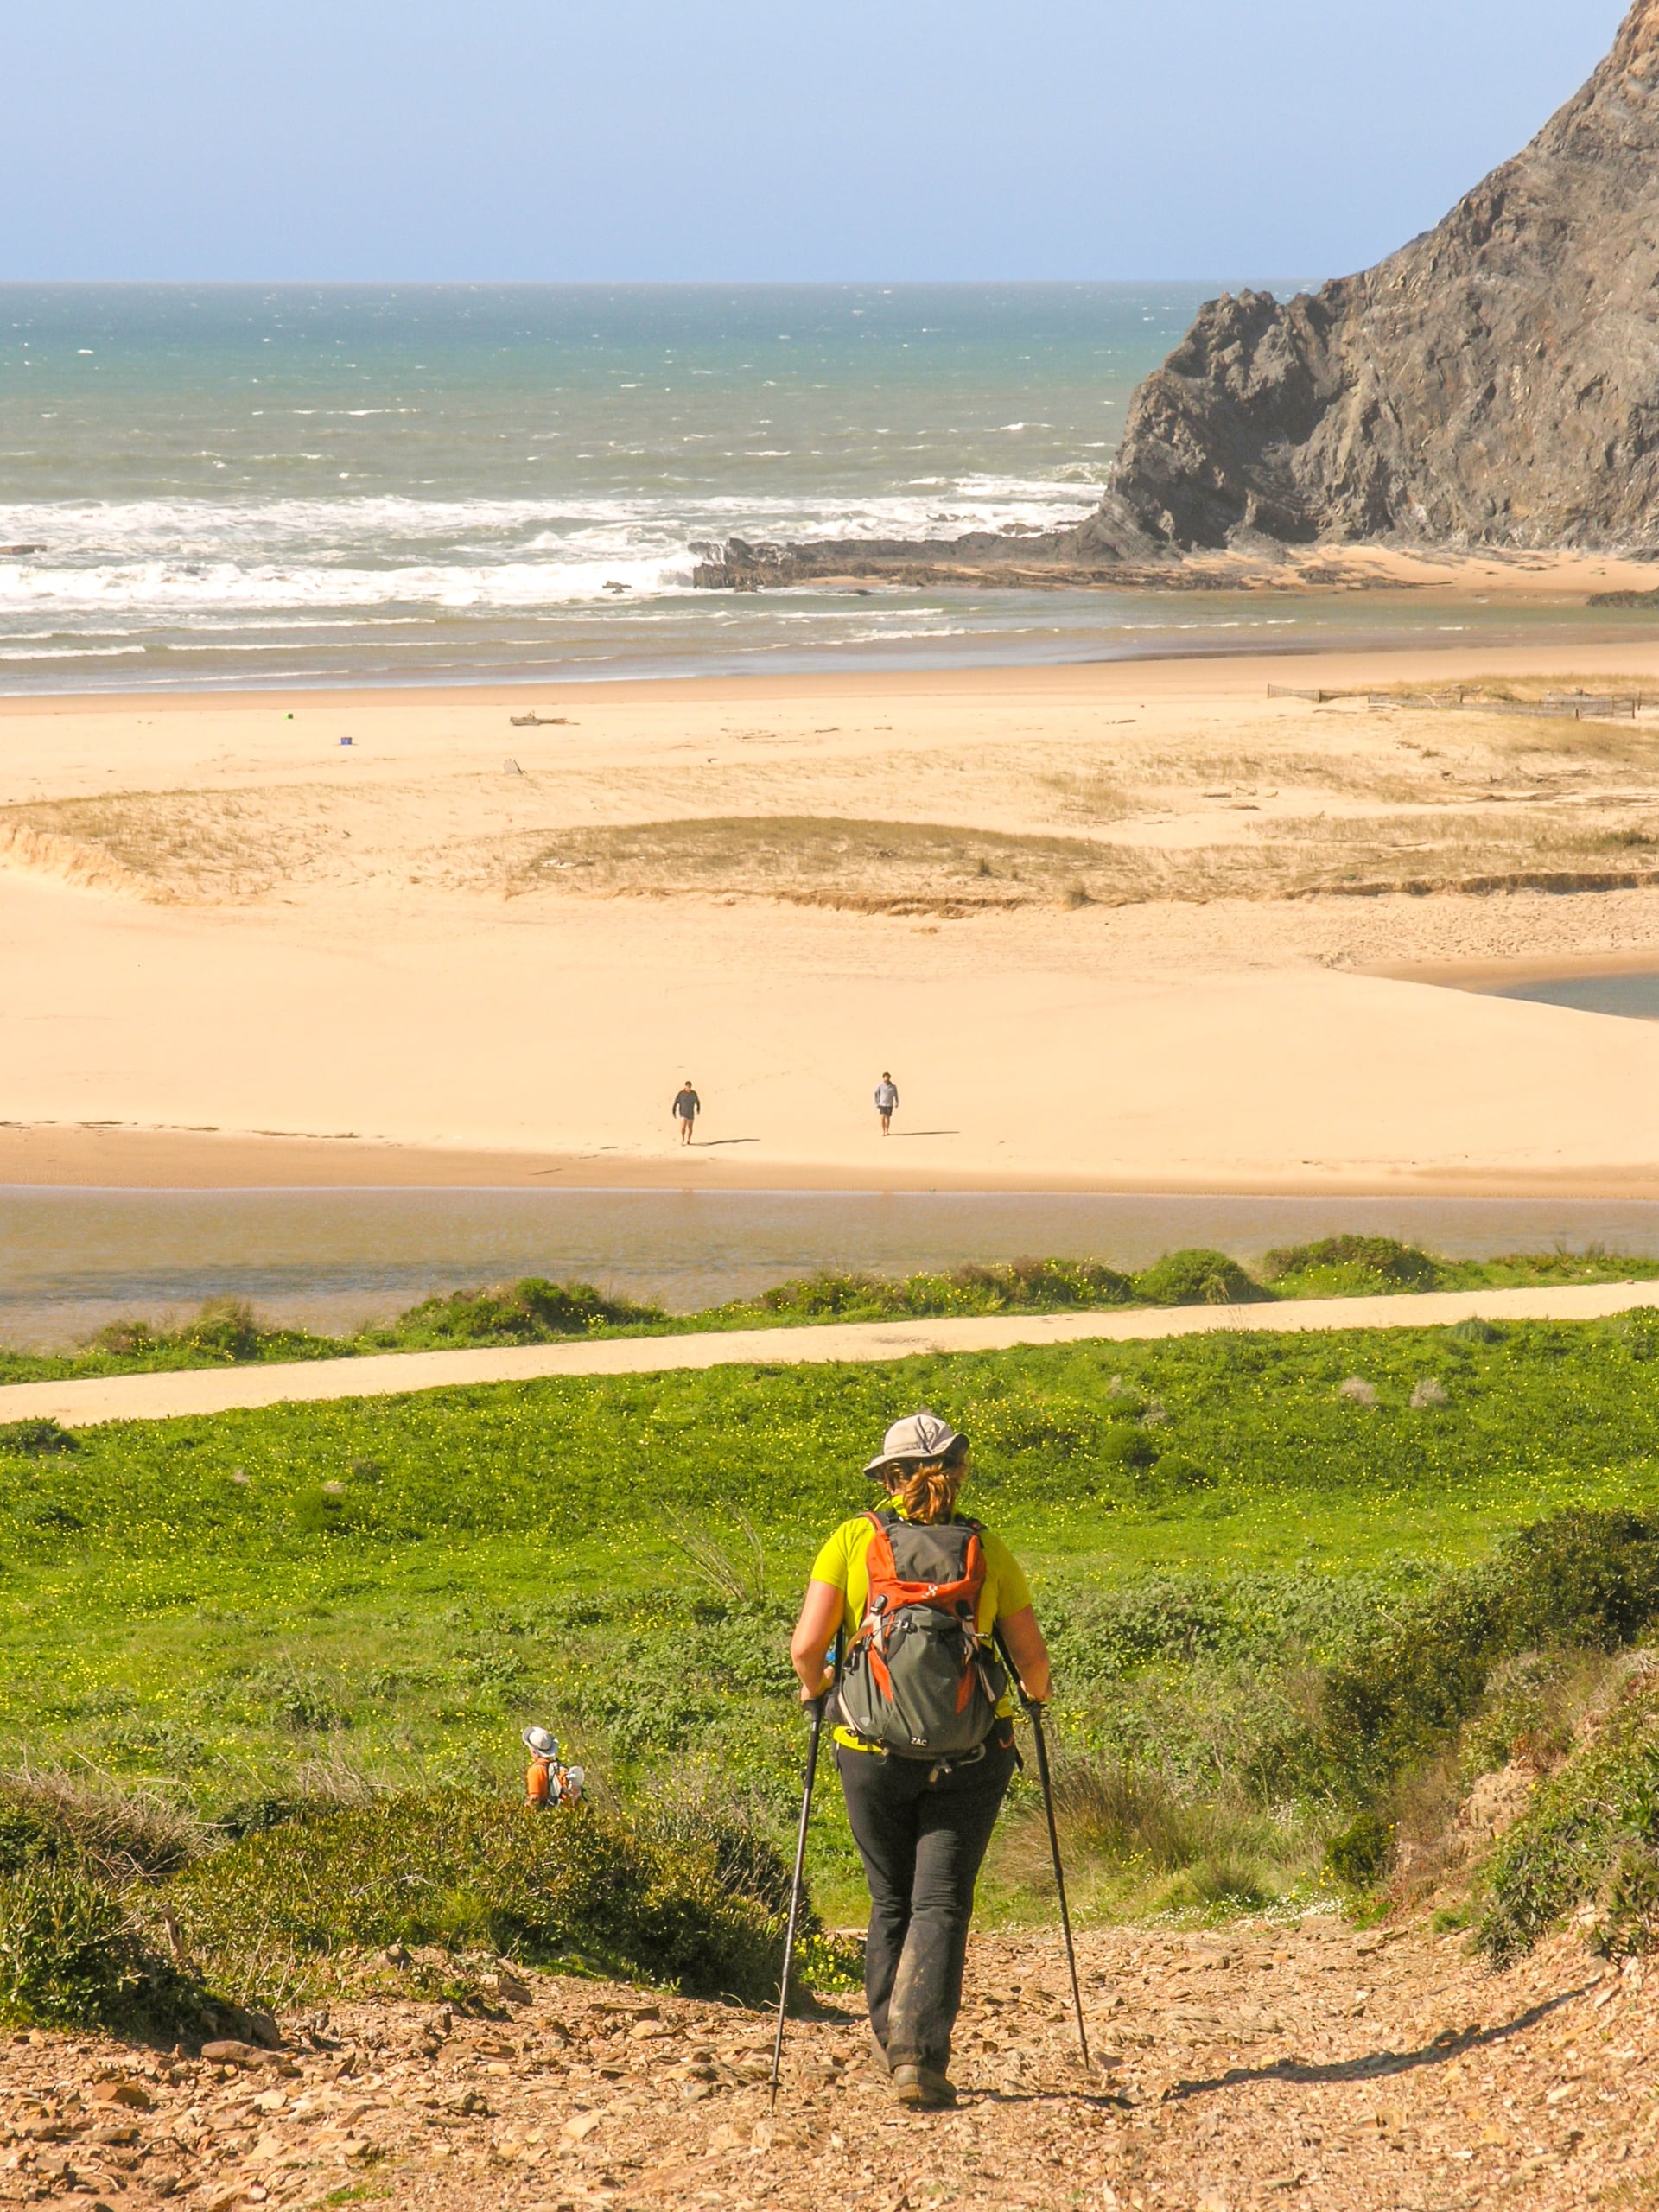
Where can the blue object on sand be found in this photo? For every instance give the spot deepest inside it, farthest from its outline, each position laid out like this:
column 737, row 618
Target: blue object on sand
column 345, row 741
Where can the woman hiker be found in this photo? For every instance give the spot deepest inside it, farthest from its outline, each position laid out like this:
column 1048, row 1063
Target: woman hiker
column 923, row 1727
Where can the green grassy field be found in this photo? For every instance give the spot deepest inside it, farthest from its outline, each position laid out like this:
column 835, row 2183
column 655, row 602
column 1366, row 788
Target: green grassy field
column 231, row 1608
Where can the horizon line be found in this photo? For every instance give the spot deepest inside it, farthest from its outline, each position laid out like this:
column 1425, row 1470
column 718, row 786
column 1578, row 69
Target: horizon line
column 613, row 284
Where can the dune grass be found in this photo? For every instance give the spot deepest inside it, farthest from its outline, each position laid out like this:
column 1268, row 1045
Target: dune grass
column 863, row 866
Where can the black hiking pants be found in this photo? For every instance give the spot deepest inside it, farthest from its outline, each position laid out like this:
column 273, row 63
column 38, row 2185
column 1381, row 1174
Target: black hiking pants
column 922, row 1833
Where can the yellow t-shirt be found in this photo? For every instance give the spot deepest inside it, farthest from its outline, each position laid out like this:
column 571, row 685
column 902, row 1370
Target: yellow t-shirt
column 841, row 1564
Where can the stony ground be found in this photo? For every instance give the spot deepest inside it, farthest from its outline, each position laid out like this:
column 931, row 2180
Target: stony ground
column 1305, row 2065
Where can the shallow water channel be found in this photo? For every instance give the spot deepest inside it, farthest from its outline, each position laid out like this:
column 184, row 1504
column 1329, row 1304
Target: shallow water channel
column 72, row 1259
column 1635, row 996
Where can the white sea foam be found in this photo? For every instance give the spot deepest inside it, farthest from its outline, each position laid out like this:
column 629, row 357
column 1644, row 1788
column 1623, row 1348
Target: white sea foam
column 178, row 560
column 187, row 529
column 72, row 653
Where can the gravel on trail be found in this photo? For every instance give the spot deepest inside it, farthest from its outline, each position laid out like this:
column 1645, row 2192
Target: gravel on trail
column 1268, row 2064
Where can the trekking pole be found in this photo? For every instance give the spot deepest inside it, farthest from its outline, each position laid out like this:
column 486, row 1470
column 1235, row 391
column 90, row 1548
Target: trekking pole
column 818, row 1704
column 1035, row 1714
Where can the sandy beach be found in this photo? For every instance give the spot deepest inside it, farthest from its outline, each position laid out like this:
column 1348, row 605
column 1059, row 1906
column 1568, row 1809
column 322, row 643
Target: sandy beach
column 1124, row 925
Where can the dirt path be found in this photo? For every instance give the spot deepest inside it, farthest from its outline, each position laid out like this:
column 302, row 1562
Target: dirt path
column 219, row 1390
column 1259, row 2065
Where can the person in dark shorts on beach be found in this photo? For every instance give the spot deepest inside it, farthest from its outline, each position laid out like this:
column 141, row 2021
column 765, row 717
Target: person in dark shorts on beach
column 886, row 1100
column 687, row 1107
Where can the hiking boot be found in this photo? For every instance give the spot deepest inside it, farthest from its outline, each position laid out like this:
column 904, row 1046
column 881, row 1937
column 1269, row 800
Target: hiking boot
column 923, row 2088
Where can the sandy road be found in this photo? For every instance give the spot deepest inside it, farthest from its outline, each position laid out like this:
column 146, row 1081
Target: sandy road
column 220, row 1389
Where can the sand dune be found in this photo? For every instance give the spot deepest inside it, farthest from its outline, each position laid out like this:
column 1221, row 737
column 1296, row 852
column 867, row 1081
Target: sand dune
column 1113, row 925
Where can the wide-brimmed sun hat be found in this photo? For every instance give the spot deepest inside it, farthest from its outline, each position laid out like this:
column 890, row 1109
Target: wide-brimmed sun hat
column 918, row 1437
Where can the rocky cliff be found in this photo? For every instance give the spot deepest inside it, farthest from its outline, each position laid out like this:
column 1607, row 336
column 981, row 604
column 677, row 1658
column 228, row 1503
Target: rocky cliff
column 1494, row 383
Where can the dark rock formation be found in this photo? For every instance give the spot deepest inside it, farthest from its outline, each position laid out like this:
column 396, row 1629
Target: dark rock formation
column 1496, row 382
column 1040, row 561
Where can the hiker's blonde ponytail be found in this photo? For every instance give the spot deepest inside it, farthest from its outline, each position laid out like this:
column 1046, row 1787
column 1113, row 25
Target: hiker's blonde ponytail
column 928, row 1493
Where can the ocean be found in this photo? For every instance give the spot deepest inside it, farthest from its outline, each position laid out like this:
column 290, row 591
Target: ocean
column 218, row 486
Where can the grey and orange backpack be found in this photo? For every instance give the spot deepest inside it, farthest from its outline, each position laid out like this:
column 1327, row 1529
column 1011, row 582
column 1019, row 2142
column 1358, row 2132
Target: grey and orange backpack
column 918, row 1679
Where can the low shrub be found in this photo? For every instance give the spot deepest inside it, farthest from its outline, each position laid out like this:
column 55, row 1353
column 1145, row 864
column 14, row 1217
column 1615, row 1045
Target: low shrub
column 1132, row 1816
column 1530, row 1712
column 68, row 1956
column 830, row 1296
column 1357, row 1856
column 35, row 1439
column 328, row 1510
column 1176, row 1471
column 1050, row 1283
column 225, row 1329
column 1127, row 1449
column 1475, row 1332
column 225, row 1333
column 461, row 1870
column 746, row 1860
column 532, row 1312
column 1577, row 1580
column 301, row 1701
column 1589, row 1839
column 1588, row 1580
column 1335, row 1266
column 1198, row 1278
column 1011, row 1286
column 1220, row 1884
column 1639, row 1333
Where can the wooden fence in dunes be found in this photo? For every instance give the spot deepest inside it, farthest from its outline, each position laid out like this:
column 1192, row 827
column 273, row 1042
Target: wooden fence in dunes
column 1576, row 706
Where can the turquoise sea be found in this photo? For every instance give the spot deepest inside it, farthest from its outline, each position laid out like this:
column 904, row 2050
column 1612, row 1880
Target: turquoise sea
column 225, row 485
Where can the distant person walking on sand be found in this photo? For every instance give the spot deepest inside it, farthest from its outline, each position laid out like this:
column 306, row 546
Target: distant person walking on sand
column 687, row 1107
column 887, row 1101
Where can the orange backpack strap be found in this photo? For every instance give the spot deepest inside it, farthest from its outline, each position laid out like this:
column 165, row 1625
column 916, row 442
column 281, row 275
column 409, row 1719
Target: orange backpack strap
column 881, row 1570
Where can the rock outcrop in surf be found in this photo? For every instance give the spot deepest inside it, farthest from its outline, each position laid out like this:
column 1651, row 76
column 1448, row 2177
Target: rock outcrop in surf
column 1495, row 382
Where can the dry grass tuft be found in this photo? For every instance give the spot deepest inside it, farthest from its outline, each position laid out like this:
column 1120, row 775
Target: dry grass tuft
column 165, row 845
column 1126, row 1832
column 121, row 1833
column 870, row 867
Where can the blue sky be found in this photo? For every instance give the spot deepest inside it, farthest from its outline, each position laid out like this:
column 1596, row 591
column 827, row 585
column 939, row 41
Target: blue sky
column 759, row 139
